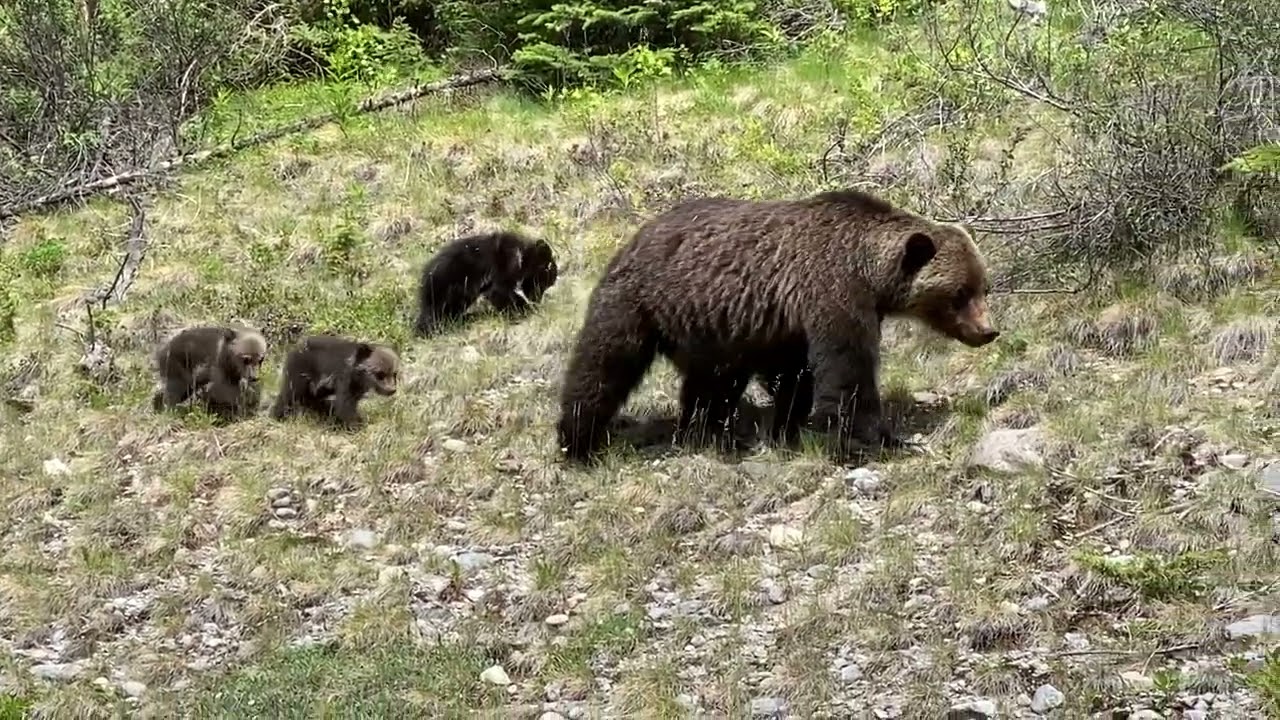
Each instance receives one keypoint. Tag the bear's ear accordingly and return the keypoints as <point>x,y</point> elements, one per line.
<point>229,335</point>
<point>917,253</point>
<point>363,351</point>
<point>542,251</point>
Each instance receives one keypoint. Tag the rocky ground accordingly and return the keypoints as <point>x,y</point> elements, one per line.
<point>1086,528</point>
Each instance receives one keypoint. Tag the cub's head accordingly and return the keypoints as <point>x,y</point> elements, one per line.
<point>243,352</point>
<point>540,270</point>
<point>377,368</point>
<point>945,282</point>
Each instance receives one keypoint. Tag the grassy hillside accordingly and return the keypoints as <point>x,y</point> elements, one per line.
<point>162,565</point>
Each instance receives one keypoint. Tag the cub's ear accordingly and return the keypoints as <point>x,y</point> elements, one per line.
<point>917,253</point>
<point>229,335</point>
<point>541,251</point>
<point>363,351</point>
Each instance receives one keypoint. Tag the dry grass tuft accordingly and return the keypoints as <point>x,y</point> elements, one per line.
<point>1245,340</point>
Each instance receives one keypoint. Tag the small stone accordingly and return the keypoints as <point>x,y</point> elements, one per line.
<point>1137,680</point>
<point>775,593</point>
<point>863,480</point>
<point>977,508</point>
<point>1047,697</point>
<point>783,536</point>
<point>979,707</point>
<point>1234,461</point>
<point>1008,450</point>
<point>1271,478</point>
<point>1036,604</point>
<point>54,467</point>
<point>551,716</point>
<point>59,672</point>
<point>362,539</point>
<point>389,575</point>
<point>495,675</point>
<point>285,501</point>
<point>275,494</point>
<point>454,445</point>
<point>557,620</point>
<point>470,561</point>
<point>1254,626</point>
<point>1145,714</point>
<point>850,673</point>
<point>285,513</point>
<point>767,707</point>
<point>133,688</point>
<point>1194,715</point>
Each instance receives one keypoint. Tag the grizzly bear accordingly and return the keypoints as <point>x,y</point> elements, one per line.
<point>728,289</point>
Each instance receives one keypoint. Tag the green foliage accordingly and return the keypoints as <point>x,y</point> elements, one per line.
<point>1156,577</point>
<point>1264,158</point>
<point>1266,682</point>
<point>46,258</point>
<point>876,12</point>
<point>604,42</point>
<point>353,50</point>
<point>8,299</point>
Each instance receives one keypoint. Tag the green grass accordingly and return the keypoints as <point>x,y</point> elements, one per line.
<point>158,545</point>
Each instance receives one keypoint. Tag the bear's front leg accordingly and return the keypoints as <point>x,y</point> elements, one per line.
<point>846,392</point>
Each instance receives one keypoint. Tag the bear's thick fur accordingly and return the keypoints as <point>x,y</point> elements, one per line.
<point>728,288</point>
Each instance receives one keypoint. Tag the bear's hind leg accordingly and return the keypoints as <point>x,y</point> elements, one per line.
<point>712,393</point>
<point>614,350</point>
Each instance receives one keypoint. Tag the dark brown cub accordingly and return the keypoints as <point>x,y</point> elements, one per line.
<point>218,365</point>
<point>328,376</point>
<point>511,271</point>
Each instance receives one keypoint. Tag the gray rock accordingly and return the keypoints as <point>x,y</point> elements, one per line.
<point>1271,478</point>
<point>1008,450</point>
<point>57,672</point>
<point>282,502</point>
<point>865,481</point>
<point>495,675</point>
<point>1254,626</point>
<point>557,620</point>
<point>1145,714</point>
<point>1194,715</point>
<point>454,445</point>
<point>362,539</point>
<point>470,561</point>
<point>551,716</point>
<point>1047,697</point>
<point>775,593</point>
<point>850,673</point>
<point>980,707</point>
<point>285,513</point>
<point>1137,680</point>
<point>133,688</point>
<point>1234,461</point>
<point>275,494</point>
<point>768,707</point>
<point>783,536</point>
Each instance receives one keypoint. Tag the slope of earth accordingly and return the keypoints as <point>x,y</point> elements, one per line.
<point>1087,528</point>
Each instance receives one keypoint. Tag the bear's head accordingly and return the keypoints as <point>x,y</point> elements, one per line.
<point>946,281</point>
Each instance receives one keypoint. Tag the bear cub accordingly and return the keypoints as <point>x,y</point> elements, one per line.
<point>510,270</point>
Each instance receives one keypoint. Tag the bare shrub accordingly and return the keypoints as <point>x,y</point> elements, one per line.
<point>1134,107</point>
<point>1242,341</point>
<point>93,89</point>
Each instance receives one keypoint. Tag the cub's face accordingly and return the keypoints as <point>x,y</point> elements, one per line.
<point>949,291</point>
<point>542,274</point>
<point>246,353</point>
<point>379,371</point>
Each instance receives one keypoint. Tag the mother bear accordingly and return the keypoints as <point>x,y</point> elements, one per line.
<point>726,288</point>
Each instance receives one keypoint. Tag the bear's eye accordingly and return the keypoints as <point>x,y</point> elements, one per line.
<point>959,301</point>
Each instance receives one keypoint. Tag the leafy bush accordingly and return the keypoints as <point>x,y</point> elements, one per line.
<point>344,39</point>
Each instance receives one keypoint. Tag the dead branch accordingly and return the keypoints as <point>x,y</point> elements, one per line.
<point>135,248</point>
<point>368,105</point>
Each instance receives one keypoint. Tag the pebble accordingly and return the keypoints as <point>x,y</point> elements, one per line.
<point>362,539</point>
<point>551,716</point>
<point>285,501</point>
<point>1234,461</point>
<point>774,592</point>
<point>279,493</point>
<point>62,672</point>
<point>495,675</point>
<point>1271,477</point>
<point>285,513</point>
<point>557,620</point>
<point>1137,680</point>
<point>1194,715</point>
<point>864,480</point>
<point>850,673</point>
<point>454,445</point>
<point>783,536</point>
<point>1145,714</point>
<point>473,561</point>
<point>768,707</point>
<point>133,688</point>
<point>1047,697</point>
<point>56,468</point>
<point>985,708</point>
<point>1253,626</point>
